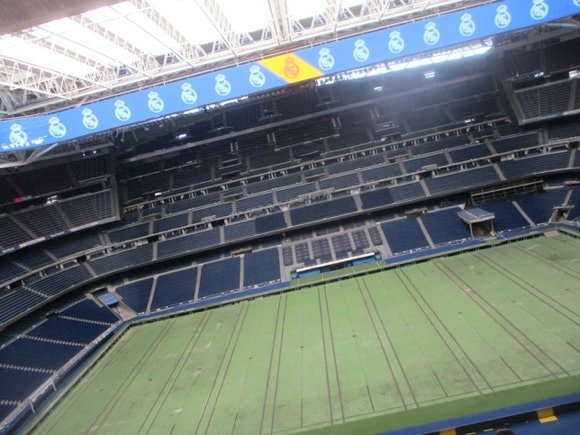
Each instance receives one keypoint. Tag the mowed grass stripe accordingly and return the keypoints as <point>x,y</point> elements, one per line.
<point>496,326</point>
<point>397,307</point>
<point>319,391</point>
<point>560,250</point>
<point>212,397</point>
<point>442,319</point>
<point>107,419</point>
<point>404,344</point>
<point>517,322</point>
<point>169,385</point>
<point>355,394</point>
<point>560,319</point>
<point>383,391</point>
<point>541,281</point>
<point>287,408</point>
<point>504,350</point>
<point>405,339</point>
<point>330,357</point>
<point>243,384</point>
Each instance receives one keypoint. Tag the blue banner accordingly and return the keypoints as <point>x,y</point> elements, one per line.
<point>364,50</point>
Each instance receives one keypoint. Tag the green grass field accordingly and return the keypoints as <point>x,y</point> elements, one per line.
<point>439,339</point>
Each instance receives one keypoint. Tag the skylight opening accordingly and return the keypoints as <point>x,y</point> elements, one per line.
<point>35,55</point>
<point>305,8</point>
<point>133,26</point>
<point>248,15</point>
<point>188,19</point>
<point>83,37</point>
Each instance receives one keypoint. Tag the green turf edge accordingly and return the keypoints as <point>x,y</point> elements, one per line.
<point>77,376</point>
<point>455,409</point>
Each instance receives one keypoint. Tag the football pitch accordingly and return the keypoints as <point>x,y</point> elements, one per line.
<point>431,341</point>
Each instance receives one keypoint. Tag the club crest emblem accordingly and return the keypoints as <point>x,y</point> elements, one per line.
<point>503,18</point>
<point>467,26</point>
<point>188,94</point>
<point>291,69</point>
<point>222,86</point>
<point>326,60</point>
<point>431,35</point>
<point>155,102</point>
<point>361,52</point>
<point>18,137</point>
<point>539,9</point>
<point>56,128</point>
<point>257,77</point>
<point>122,112</point>
<point>396,42</point>
<point>90,120</point>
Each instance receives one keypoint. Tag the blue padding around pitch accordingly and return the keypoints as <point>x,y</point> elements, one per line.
<point>489,416</point>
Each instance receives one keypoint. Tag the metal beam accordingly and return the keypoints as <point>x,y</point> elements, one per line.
<point>15,74</point>
<point>101,73</point>
<point>145,63</point>
<point>220,22</point>
<point>186,50</point>
<point>279,15</point>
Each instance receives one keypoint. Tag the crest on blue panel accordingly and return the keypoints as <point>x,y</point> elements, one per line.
<point>90,121</point>
<point>361,52</point>
<point>18,137</point>
<point>396,42</point>
<point>257,77</point>
<point>467,26</point>
<point>503,18</point>
<point>222,86</point>
<point>431,35</point>
<point>56,128</point>
<point>155,102</point>
<point>577,3</point>
<point>539,9</point>
<point>326,60</point>
<point>188,94</point>
<point>122,112</point>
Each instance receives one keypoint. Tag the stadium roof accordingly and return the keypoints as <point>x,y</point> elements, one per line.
<point>61,54</point>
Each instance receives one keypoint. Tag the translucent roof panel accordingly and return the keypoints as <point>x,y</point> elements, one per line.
<point>247,15</point>
<point>71,31</point>
<point>35,55</point>
<point>305,8</point>
<point>133,26</point>
<point>73,46</point>
<point>188,19</point>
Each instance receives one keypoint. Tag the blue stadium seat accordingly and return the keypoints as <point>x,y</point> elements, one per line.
<point>507,217</point>
<point>25,352</point>
<point>404,235</point>
<point>18,302</point>
<point>540,206</point>
<point>17,384</point>
<point>261,267</point>
<point>88,310</point>
<point>174,288</point>
<point>322,210</point>
<point>136,294</point>
<point>444,226</point>
<point>65,330</point>
<point>219,277</point>
<point>376,198</point>
<point>462,180</point>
